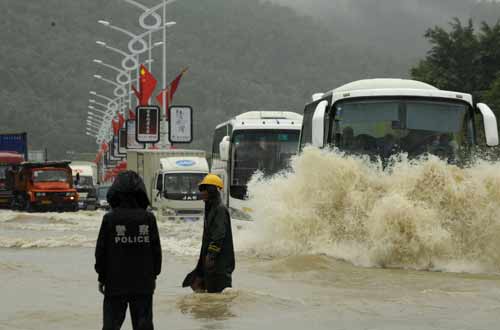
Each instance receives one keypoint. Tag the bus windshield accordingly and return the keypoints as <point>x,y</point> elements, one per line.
<point>268,151</point>
<point>385,127</point>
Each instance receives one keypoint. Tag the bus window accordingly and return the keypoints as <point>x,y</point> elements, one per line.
<point>261,150</point>
<point>306,133</point>
<point>218,136</point>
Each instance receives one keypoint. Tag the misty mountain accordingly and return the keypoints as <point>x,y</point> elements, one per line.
<point>386,25</point>
<point>242,55</point>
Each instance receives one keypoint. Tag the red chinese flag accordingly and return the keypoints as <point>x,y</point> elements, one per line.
<point>170,91</point>
<point>168,97</point>
<point>131,115</point>
<point>147,84</point>
<point>116,128</point>
<point>121,120</point>
<point>136,92</point>
<point>98,157</point>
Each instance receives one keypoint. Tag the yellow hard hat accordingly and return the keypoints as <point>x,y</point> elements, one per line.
<point>212,179</point>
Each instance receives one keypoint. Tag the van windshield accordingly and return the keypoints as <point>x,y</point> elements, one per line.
<point>85,180</point>
<point>182,183</point>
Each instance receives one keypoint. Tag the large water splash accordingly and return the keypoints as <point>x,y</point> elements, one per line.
<point>422,214</point>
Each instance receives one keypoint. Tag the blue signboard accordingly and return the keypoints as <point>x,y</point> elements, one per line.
<point>185,162</point>
<point>15,142</point>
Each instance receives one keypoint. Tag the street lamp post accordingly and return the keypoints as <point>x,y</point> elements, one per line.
<point>120,90</point>
<point>134,59</point>
<point>118,108</point>
<point>104,117</point>
<point>111,103</point>
<point>150,14</point>
<point>107,111</point>
<point>97,118</point>
<point>121,73</point>
<point>138,39</point>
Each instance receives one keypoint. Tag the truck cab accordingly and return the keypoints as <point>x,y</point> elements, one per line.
<point>7,161</point>
<point>176,195</point>
<point>85,181</point>
<point>44,186</point>
<point>171,177</point>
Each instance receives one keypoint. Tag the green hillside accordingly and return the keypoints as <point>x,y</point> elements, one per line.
<point>242,55</point>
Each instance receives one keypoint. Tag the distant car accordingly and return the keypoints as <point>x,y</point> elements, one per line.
<point>102,202</point>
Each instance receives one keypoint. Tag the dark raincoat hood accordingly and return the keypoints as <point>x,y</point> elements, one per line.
<point>128,190</point>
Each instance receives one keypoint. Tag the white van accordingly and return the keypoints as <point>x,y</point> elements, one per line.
<point>85,180</point>
<point>171,178</point>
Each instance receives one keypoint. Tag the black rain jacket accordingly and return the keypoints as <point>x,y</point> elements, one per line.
<point>128,251</point>
<point>217,239</point>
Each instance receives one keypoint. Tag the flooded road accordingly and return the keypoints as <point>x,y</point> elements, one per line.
<point>48,282</point>
<point>339,243</point>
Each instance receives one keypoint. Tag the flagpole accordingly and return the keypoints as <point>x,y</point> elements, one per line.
<point>138,78</point>
<point>129,94</point>
<point>164,73</point>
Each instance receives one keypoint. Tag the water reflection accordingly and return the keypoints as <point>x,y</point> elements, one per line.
<point>208,306</point>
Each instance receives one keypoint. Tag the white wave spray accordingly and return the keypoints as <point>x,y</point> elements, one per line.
<point>420,214</point>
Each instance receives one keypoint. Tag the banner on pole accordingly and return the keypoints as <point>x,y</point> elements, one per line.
<point>114,155</point>
<point>180,124</point>
<point>122,141</point>
<point>131,134</point>
<point>148,124</point>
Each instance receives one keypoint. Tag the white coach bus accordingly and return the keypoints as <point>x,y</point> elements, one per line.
<point>253,141</point>
<point>383,117</point>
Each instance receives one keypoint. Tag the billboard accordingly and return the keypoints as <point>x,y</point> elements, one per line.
<point>122,141</point>
<point>180,124</point>
<point>17,142</point>
<point>131,134</point>
<point>148,124</point>
<point>114,148</point>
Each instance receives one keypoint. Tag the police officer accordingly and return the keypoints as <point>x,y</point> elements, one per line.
<point>128,255</point>
<point>216,264</point>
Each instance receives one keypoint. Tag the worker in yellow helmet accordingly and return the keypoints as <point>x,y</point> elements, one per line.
<point>213,272</point>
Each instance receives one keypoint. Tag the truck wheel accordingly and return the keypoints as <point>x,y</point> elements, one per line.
<point>14,204</point>
<point>28,206</point>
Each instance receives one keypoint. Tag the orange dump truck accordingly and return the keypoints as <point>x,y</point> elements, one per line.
<point>8,160</point>
<point>44,186</point>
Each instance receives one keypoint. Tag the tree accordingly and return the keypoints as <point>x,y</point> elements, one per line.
<point>453,59</point>
<point>466,61</point>
<point>463,60</point>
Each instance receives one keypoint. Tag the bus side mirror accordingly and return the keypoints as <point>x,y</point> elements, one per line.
<point>318,124</point>
<point>224,148</point>
<point>159,184</point>
<point>490,124</point>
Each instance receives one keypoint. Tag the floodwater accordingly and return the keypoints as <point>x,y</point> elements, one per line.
<point>337,244</point>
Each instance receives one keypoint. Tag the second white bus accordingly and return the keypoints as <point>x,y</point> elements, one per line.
<point>252,141</point>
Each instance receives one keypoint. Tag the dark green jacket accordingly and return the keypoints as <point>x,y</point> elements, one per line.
<point>217,238</point>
